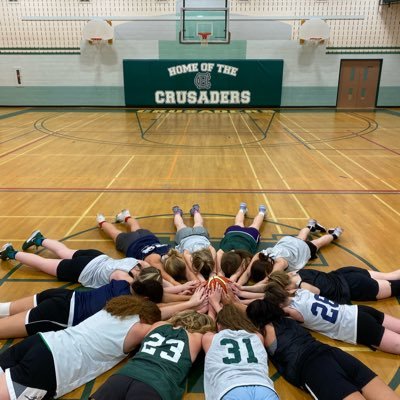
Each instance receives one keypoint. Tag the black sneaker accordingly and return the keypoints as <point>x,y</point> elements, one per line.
<point>7,252</point>
<point>314,226</point>
<point>35,239</point>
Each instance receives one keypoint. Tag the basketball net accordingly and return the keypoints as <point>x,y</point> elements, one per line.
<point>315,41</point>
<point>204,38</point>
<point>95,41</point>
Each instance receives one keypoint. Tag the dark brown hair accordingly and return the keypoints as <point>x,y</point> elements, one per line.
<point>261,267</point>
<point>275,294</point>
<point>230,317</point>
<point>261,313</point>
<point>151,289</point>
<point>232,260</point>
<point>127,305</point>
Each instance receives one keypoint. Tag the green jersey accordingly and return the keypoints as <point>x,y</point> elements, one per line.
<point>163,362</point>
<point>238,241</point>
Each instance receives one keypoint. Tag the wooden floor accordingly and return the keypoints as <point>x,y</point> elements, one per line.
<point>59,167</point>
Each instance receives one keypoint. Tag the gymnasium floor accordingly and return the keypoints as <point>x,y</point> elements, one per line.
<point>60,166</point>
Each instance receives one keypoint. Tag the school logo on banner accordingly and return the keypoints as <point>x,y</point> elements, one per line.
<point>222,83</point>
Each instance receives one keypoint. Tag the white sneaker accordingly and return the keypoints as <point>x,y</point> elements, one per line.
<point>262,209</point>
<point>121,216</point>
<point>243,208</point>
<point>314,226</point>
<point>335,232</point>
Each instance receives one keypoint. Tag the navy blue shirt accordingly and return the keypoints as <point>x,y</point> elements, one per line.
<point>89,303</point>
<point>145,246</point>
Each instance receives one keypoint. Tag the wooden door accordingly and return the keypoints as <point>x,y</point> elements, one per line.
<point>358,83</point>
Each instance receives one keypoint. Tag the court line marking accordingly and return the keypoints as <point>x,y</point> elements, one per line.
<point>191,190</point>
<point>84,214</point>
<point>343,170</point>
<point>178,150</point>
<point>267,203</point>
<point>281,177</point>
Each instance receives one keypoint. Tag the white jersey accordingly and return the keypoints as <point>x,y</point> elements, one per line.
<point>235,358</point>
<point>193,243</point>
<point>337,321</point>
<point>85,351</point>
<point>98,271</point>
<point>294,250</point>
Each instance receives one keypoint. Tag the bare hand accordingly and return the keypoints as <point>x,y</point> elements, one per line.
<point>199,298</point>
<point>214,296</point>
<point>190,286</point>
<point>229,297</point>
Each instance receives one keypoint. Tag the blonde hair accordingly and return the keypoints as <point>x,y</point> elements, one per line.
<point>280,277</point>
<point>193,321</point>
<point>203,262</point>
<point>128,305</point>
<point>150,273</point>
<point>230,317</point>
<point>175,265</point>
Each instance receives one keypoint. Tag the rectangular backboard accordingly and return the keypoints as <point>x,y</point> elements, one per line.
<point>212,20</point>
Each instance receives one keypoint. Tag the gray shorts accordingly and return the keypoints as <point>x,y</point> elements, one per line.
<point>125,239</point>
<point>187,231</point>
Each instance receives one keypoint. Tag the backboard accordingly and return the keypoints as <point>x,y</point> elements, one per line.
<point>211,17</point>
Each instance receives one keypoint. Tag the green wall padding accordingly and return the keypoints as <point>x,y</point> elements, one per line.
<point>62,96</point>
<point>203,83</point>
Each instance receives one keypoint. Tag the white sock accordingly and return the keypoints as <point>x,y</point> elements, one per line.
<point>5,309</point>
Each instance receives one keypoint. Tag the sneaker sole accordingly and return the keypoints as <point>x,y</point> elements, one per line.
<point>26,244</point>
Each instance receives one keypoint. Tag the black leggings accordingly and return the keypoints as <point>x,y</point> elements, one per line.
<point>122,387</point>
<point>369,326</point>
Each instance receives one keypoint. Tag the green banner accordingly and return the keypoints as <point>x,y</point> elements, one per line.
<point>189,83</point>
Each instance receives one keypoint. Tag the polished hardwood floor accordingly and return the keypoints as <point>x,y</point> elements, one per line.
<point>60,166</point>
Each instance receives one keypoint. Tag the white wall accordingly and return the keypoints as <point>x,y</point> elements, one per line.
<point>310,74</point>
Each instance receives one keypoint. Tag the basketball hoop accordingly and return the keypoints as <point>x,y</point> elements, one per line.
<point>314,32</point>
<point>98,31</point>
<point>204,38</point>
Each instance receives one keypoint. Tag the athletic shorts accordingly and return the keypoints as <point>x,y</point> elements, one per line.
<point>125,239</point>
<point>369,326</point>
<point>313,249</point>
<point>253,232</point>
<point>362,286</point>
<point>51,312</point>
<point>29,369</point>
<point>334,374</point>
<point>70,270</point>
<point>187,231</point>
<point>121,387</point>
<point>251,393</point>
